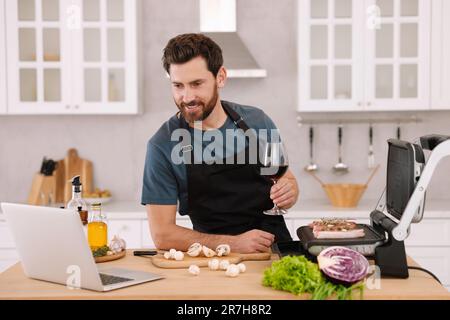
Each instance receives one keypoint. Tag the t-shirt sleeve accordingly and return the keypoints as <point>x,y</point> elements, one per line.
<point>159,182</point>
<point>269,122</point>
<point>270,125</point>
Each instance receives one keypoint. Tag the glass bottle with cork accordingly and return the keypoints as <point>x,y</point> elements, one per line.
<point>97,228</point>
<point>77,202</point>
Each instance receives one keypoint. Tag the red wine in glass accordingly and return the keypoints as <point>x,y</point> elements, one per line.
<point>278,172</point>
<point>275,165</point>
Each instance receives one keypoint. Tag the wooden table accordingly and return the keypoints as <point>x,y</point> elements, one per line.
<point>180,285</point>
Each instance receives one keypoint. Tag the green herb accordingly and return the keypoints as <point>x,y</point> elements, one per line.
<point>100,252</point>
<point>298,275</point>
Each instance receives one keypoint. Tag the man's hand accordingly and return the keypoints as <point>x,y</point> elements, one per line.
<point>284,193</point>
<point>252,241</point>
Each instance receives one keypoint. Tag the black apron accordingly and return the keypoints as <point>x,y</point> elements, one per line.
<point>230,198</point>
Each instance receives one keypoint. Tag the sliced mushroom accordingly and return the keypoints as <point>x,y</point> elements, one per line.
<point>194,249</point>
<point>208,252</point>
<point>223,250</point>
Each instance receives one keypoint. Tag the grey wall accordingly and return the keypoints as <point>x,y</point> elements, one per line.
<point>116,144</point>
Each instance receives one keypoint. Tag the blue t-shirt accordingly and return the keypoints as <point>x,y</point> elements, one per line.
<point>165,180</point>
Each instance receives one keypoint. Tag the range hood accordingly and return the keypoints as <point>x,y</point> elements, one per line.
<point>218,21</point>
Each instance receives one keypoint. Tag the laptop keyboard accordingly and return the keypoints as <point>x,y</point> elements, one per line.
<point>109,279</point>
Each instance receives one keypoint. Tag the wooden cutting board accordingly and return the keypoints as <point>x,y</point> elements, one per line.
<point>161,262</point>
<point>111,258</point>
<point>73,165</point>
<point>60,182</point>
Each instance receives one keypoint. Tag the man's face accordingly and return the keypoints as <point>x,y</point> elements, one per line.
<point>194,89</point>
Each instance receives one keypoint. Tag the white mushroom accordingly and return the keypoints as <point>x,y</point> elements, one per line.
<point>194,269</point>
<point>224,264</point>
<point>242,267</point>
<point>178,256</point>
<point>232,271</point>
<point>194,249</point>
<point>213,264</point>
<point>223,250</point>
<point>172,253</point>
<point>208,252</point>
<point>167,255</point>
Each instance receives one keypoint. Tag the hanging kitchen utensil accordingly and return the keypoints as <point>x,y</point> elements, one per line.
<point>340,167</point>
<point>399,134</point>
<point>345,195</point>
<point>371,157</point>
<point>311,166</point>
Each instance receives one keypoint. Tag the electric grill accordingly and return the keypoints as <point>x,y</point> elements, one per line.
<point>401,203</point>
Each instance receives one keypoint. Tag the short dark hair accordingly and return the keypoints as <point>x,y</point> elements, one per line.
<point>185,47</point>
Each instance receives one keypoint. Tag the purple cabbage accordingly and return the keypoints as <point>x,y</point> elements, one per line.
<point>343,265</point>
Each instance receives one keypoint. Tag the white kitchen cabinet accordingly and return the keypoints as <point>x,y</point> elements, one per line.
<point>329,49</point>
<point>38,50</point>
<point>420,234</point>
<point>72,56</point>
<point>185,222</point>
<point>440,55</point>
<point>398,56</point>
<point>6,238</point>
<point>8,258</point>
<point>434,259</point>
<point>8,253</point>
<point>147,240</point>
<point>3,96</point>
<point>370,55</point>
<point>290,226</point>
<point>129,230</point>
<point>294,224</point>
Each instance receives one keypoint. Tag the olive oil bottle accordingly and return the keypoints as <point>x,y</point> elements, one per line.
<point>97,228</point>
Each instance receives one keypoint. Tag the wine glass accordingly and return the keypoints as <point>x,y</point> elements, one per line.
<point>275,164</point>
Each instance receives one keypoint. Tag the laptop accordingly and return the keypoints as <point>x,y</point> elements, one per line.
<point>52,246</point>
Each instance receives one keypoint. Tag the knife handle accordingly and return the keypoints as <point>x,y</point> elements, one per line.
<point>145,252</point>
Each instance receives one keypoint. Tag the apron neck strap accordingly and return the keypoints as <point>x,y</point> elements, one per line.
<point>237,119</point>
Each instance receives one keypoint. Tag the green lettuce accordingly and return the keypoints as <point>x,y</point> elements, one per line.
<point>298,275</point>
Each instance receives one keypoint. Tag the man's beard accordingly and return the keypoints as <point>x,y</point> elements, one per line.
<point>205,109</point>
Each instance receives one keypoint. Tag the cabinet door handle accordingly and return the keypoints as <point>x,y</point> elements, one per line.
<point>67,107</point>
<point>369,104</point>
<point>359,104</point>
